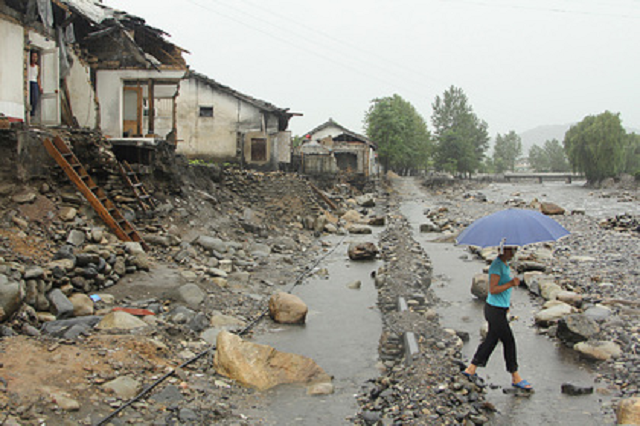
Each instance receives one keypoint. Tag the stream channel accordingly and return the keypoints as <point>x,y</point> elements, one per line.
<point>544,362</point>
<point>344,326</point>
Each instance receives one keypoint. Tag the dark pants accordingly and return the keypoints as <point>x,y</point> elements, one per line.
<point>499,330</point>
<point>34,96</point>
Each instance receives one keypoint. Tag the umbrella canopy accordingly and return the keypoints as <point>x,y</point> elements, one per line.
<point>512,227</point>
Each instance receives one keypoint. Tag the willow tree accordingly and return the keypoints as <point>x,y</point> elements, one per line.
<point>596,146</point>
<point>400,132</point>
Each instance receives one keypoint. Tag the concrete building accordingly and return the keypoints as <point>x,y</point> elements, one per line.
<point>221,124</point>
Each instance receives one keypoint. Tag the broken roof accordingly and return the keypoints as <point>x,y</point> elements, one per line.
<point>262,105</point>
<point>93,10</point>
<point>355,136</point>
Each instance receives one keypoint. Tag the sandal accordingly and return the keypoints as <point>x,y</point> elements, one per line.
<point>469,375</point>
<point>523,384</point>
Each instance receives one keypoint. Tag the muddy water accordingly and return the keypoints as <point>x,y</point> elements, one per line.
<point>341,335</point>
<point>543,362</point>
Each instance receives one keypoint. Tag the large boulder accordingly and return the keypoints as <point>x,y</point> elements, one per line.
<point>285,308</point>
<point>262,367</point>
<point>82,304</point>
<point>576,328</point>
<point>549,290</point>
<point>628,412</point>
<point>480,286</point>
<point>553,313</point>
<point>190,294</point>
<point>551,209</point>
<point>11,296</point>
<point>119,320</point>
<point>362,251</point>
<point>601,351</point>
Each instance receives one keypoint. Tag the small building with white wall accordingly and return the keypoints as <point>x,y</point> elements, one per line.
<point>220,124</point>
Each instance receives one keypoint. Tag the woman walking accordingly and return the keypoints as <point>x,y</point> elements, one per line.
<point>495,312</point>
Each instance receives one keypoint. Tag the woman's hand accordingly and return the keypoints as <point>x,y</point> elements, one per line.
<point>515,282</point>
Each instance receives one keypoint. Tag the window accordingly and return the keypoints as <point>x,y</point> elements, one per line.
<point>206,111</point>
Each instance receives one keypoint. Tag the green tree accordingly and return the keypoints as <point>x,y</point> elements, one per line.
<point>632,155</point>
<point>556,158</point>
<point>596,146</point>
<point>507,151</point>
<point>461,138</point>
<point>538,159</point>
<point>401,133</point>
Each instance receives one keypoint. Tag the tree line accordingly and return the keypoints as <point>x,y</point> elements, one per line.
<point>458,141</point>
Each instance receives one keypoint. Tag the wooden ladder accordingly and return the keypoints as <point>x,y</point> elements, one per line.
<point>105,208</point>
<point>131,178</point>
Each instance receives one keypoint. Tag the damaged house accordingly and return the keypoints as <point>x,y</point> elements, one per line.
<point>220,124</point>
<point>100,69</point>
<point>331,149</point>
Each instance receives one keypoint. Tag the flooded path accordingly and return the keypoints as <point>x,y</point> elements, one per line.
<point>341,334</point>
<point>542,361</point>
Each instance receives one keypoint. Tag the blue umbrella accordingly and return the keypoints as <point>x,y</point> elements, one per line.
<point>512,227</point>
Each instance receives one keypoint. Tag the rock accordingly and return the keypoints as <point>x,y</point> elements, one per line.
<point>359,229</point>
<point>210,243</point>
<point>362,251</point>
<point>598,350</point>
<point>377,221</point>
<point>570,298</point>
<point>119,320</point>
<point>573,390</point>
<point>366,200</point>
<point>123,387</point>
<point>76,238</point>
<point>226,321</point>
<point>429,227</point>
<point>551,209</point>
<point>24,197</point>
<point>320,389</point>
<point>351,216</point>
<point>628,412</point>
<point>190,294</point>
<point>576,328</point>
<point>550,315</point>
<point>141,261</point>
<point>33,272</point>
<point>598,312</point>
<point>61,306</point>
<point>549,290</point>
<point>64,401</point>
<point>355,285</point>
<point>187,416</point>
<point>168,396</point>
<point>11,296</point>
<point>82,304</point>
<point>285,308</point>
<point>133,248</point>
<point>67,214</point>
<point>480,286</point>
<point>262,366</point>
<point>59,327</point>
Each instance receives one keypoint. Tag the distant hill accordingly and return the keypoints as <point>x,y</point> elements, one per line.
<point>541,134</point>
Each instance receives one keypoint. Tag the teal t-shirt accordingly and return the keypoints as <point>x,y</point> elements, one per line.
<point>501,300</point>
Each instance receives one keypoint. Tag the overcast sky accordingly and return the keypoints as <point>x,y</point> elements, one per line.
<point>522,63</point>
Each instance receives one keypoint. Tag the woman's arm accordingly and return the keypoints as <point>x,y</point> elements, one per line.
<point>39,80</point>
<point>494,288</point>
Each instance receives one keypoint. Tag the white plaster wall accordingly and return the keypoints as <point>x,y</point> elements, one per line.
<point>81,93</point>
<point>109,85</point>
<point>11,69</point>
<point>213,137</point>
<point>331,130</point>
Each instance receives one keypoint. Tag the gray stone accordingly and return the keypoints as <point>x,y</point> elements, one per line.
<point>167,396</point>
<point>24,197</point>
<point>187,415</point>
<point>576,328</point>
<point>180,315</point>
<point>190,294</point>
<point>11,296</point>
<point>429,226</point>
<point>359,229</point>
<point>76,238</point>
<point>211,243</point>
<point>598,312</point>
<point>133,248</point>
<point>61,306</point>
<point>57,328</point>
<point>553,314</point>
<point>602,351</point>
<point>123,387</point>
<point>363,251</point>
<point>33,272</point>
<point>480,286</point>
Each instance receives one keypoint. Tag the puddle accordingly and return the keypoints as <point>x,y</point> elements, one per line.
<point>341,334</point>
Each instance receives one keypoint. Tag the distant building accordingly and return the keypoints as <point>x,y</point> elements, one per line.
<point>331,148</point>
